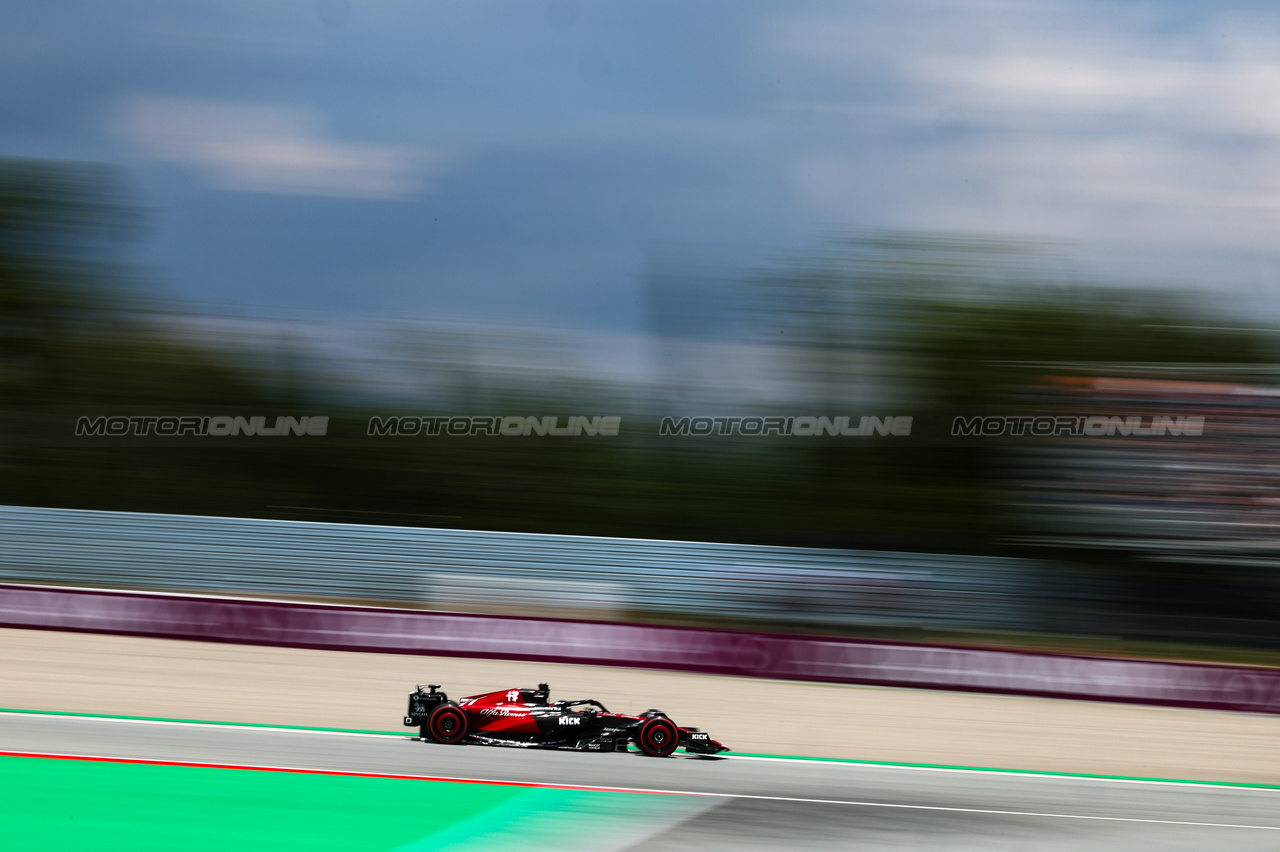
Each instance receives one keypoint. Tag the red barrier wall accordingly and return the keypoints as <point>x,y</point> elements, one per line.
<point>759,655</point>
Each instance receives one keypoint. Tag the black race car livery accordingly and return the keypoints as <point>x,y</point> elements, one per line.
<point>526,718</point>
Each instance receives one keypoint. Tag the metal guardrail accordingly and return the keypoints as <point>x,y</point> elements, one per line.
<point>458,569</point>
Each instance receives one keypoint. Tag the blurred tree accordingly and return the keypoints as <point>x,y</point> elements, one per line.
<point>58,223</point>
<point>73,336</point>
<point>977,352</point>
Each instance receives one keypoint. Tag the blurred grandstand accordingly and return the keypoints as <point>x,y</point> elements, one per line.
<point>1211,496</point>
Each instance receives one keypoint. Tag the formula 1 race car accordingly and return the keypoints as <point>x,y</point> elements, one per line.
<point>525,718</point>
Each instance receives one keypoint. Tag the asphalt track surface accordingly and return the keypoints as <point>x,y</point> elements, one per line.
<point>745,803</point>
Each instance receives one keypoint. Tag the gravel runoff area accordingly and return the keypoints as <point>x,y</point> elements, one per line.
<point>119,675</point>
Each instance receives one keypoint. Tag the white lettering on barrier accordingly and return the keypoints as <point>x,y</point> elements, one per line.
<point>1003,671</point>
<point>762,656</point>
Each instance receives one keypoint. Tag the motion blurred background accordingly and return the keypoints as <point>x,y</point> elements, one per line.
<point>360,209</point>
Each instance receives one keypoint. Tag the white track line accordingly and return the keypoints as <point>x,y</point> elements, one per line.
<point>233,726</point>
<point>1012,773</point>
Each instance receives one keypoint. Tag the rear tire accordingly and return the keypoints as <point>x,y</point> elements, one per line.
<point>447,724</point>
<point>658,737</point>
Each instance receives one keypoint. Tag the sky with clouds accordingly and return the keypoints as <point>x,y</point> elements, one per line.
<point>520,161</point>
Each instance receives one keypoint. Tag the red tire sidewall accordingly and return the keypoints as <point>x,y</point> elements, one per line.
<point>646,734</point>
<point>448,710</point>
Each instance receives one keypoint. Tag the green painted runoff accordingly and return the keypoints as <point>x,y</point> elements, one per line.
<point>58,804</point>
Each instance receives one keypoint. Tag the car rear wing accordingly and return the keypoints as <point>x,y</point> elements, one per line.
<point>421,703</point>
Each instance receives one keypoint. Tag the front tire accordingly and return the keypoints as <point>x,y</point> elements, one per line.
<point>658,737</point>
<point>447,724</point>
